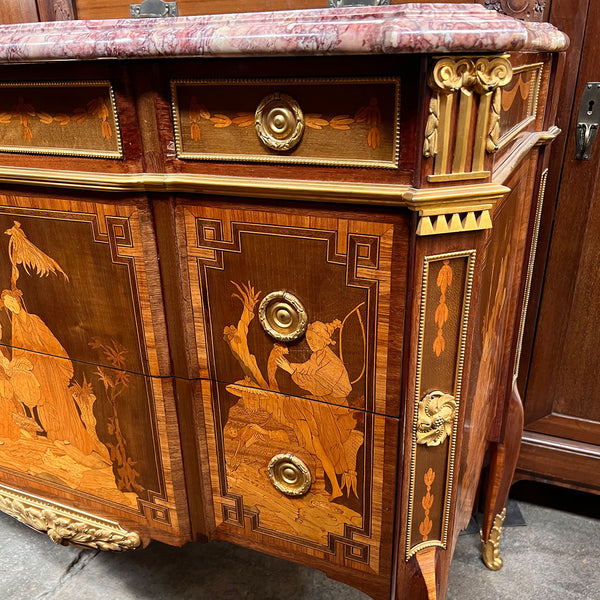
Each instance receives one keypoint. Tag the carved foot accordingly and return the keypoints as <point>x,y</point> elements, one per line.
<point>426,560</point>
<point>490,552</point>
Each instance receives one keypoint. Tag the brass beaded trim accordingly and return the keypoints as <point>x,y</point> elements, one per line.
<point>529,276</point>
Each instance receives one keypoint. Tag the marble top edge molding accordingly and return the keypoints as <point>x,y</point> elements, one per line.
<point>395,29</point>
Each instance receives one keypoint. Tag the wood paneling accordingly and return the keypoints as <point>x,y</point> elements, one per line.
<point>559,461</point>
<point>119,9</point>
<point>532,10</point>
<point>561,379</point>
<point>56,10</point>
<point>23,11</point>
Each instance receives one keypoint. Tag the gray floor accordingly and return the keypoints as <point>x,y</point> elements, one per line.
<point>556,556</point>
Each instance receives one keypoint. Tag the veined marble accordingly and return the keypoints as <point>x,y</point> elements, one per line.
<point>408,28</point>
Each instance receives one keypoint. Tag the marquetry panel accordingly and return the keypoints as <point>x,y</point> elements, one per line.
<point>80,334</point>
<point>75,118</point>
<point>94,436</point>
<point>339,268</point>
<point>340,517</point>
<point>519,101</point>
<point>345,121</point>
<point>496,322</point>
<point>85,272</point>
<point>81,331</point>
<point>444,314</point>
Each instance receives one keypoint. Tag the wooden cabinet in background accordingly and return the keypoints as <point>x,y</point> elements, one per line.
<point>558,370</point>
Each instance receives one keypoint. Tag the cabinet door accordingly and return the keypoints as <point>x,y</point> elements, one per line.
<point>313,398</point>
<point>86,397</point>
<point>558,376</point>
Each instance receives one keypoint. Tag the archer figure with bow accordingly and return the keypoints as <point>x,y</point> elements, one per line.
<point>326,428</point>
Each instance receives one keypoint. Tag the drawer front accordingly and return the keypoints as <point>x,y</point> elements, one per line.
<point>71,118</point>
<point>336,268</point>
<point>98,440</point>
<point>345,466</point>
<point>84,416</point>
<point>345,121</point>
<point>86,272</point>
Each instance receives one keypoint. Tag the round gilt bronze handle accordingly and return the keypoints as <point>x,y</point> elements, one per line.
<point>279,122</point>
<point>289,475</point>
<point>282,316</point>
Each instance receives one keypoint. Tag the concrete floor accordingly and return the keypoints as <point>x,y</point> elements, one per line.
<point>556,556</point>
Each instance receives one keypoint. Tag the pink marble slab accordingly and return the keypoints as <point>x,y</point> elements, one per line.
<point>407,28</point>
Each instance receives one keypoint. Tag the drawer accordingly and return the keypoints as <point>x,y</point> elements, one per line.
<point>71,118</point>
<point>251,269</point>
<point>79,274</point>
<point>85,121</point>
<point>86,404</point>
<point>301,474</point>
<point>327,121</point>
<point>98,439</point>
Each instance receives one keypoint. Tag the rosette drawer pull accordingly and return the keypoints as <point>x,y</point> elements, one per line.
<point>289,475</point>
<point>279,122</point>
<point>282,316</point>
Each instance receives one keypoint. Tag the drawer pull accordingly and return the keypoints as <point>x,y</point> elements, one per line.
<point>289,475</point>
<point>279,122</point>
<point>282,316</point>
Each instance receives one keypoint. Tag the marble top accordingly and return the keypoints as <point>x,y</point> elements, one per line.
<point>396,29</point>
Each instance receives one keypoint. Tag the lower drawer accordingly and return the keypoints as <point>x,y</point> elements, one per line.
<point>301,474</point>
